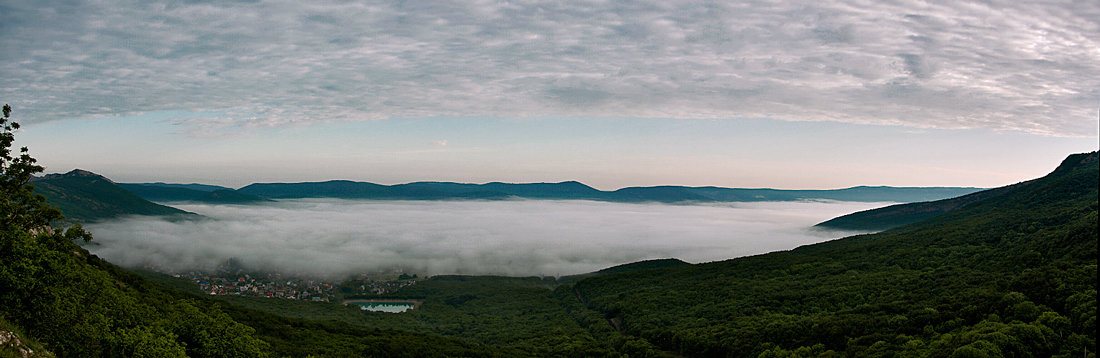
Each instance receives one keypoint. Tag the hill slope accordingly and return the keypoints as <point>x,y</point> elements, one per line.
<point>903,214</point>
<point>859,193</point>
<point>1011,275</point>
<point>85,196</point>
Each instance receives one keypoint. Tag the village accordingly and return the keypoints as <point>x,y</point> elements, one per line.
<point>275,285</point>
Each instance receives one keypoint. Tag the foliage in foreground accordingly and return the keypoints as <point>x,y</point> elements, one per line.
<point>78,305</point>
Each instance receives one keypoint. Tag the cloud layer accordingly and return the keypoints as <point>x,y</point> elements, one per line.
<point>1026,65</point>
<point>332,238</point>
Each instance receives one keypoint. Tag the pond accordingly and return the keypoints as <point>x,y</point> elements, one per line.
<point>390,306</point>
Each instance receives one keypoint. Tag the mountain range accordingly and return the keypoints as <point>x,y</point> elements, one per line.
<point>161,192</point>
<point>567,190</point>
<point>84,196</point>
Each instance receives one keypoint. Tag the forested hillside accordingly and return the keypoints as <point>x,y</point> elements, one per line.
<point>509,316</point>
<point>902,214</point>
<point>1011,276</point>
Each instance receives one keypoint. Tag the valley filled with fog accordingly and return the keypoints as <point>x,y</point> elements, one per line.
<point>332,238</point>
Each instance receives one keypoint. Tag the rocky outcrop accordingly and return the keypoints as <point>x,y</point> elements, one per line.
<point>10,342</point>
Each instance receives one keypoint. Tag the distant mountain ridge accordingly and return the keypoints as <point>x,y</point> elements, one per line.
<point>190,192</point>
<point>86,196</point>
<point>572,190</point>
<point>561,190</point>
<point>192,186</point>
<point>346,189</point>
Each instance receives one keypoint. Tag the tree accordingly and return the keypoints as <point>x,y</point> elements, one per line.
<point>79,305</point>
<point>19,205</point>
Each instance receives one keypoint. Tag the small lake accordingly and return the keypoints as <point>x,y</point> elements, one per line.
<point>385,306</point>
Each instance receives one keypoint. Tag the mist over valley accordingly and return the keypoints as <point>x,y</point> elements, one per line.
<point>332,238</point>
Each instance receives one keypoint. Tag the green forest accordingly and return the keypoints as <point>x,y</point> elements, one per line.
<point>1012,275</point>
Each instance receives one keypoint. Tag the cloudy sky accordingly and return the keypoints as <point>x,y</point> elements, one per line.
<point>788,94</point>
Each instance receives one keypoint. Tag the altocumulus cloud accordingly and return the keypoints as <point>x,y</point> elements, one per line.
<point>332,238</point>
<point>1020,65</point>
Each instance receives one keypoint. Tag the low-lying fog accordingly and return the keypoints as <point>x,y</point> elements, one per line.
<point>333,238</point>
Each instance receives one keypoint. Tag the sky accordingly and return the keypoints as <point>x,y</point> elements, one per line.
<point>782,94</point>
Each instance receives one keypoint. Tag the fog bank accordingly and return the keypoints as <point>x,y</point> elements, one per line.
<point>332,238</point>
